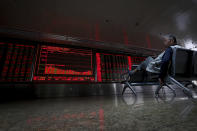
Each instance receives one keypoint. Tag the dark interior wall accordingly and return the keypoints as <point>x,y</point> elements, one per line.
<point>136,22</point>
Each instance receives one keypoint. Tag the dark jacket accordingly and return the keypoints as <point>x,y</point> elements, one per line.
<point>166,58</point>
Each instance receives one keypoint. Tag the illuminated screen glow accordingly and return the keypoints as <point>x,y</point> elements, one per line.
<point>98,61</point>
<point>60,63</point>
<point>113,65</point>
<point>16,62</point>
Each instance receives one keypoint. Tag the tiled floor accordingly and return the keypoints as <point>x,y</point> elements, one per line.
<point>101,113</point>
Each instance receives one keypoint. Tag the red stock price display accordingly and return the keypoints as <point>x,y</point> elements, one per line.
<point>16,62</point>
<point>67,64</point>
<point>111,66</point>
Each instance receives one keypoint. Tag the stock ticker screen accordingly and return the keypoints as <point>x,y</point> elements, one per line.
<point>113,65</point>
<point>68,64</point>
<point>16,62</point>
<point>54,63</point>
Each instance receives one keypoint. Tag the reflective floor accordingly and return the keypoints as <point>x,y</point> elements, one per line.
<point>121,113</point>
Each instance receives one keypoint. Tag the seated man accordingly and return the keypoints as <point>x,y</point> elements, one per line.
<point>160,64</point>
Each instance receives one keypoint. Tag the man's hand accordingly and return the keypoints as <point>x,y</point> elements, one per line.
<point>161,82</point>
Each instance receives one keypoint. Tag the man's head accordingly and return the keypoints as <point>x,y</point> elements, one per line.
<point>169,40</point>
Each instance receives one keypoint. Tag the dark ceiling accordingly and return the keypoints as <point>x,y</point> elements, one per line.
<point>128,22</point>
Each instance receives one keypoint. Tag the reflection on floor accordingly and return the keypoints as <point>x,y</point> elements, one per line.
<point>121,113</point>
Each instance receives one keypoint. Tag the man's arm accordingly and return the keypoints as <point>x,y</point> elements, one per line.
<point>165,63</point>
